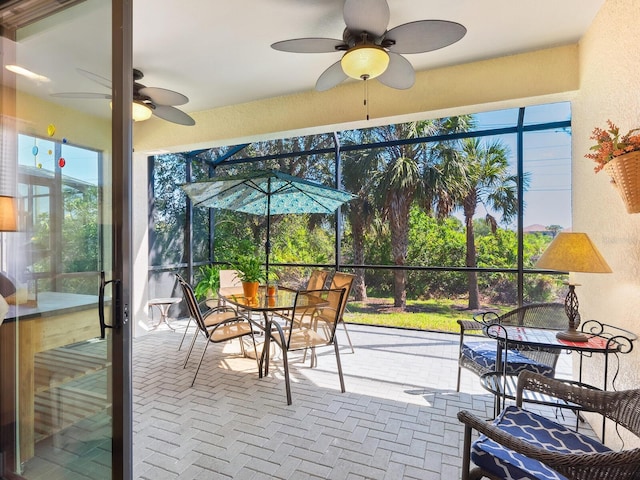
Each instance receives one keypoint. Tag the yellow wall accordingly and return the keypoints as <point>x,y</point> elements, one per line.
<point>473,86</point>
<point>609,89</point>
<point>34,115</point>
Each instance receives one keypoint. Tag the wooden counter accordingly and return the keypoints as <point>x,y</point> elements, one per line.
<point>49,358</point>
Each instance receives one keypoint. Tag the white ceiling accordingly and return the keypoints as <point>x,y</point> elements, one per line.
<point>217,52</point>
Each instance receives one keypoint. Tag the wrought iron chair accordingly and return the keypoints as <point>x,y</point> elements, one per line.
<point>343,280</point>
<point>479,355</point>
<point>312,324</point>
<point>219,324</point>
<point>522,444</point>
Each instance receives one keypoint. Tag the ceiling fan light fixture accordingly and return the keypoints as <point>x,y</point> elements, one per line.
<point>139,111</point>
<point>365,61</point>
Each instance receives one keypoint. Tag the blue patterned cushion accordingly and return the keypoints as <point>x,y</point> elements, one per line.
<point>484,354</point>
<point>536,430</point>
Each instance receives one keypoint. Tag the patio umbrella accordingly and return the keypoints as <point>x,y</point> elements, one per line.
<point>266,192</point>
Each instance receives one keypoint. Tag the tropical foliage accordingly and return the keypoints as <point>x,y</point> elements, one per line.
<point>250,268</point>
<point>209,283</point>
<point>416,205</point>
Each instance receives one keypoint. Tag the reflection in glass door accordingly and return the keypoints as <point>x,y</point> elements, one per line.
<point>56,163</point>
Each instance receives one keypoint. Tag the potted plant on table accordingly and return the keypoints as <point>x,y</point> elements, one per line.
<point>251,273</point>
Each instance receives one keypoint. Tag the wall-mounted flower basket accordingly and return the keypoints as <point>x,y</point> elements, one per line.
<point>625,174</point>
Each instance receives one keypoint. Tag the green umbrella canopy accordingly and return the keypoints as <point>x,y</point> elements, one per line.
<point>266,193</point>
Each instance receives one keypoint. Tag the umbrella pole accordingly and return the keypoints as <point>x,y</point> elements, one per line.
<point>267,246</point>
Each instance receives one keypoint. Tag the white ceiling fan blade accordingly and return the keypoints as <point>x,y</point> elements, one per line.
<point>308,45</point>
<point>371,16</point>
<point>172,114</point>
<point>83,95</point>
<point>331,77</point>
<point>399,74</point>
<point>424,36</point>
<point>99,79</point>
<point>162,96</point>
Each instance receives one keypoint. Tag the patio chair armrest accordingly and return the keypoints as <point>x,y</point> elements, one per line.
<point>218,310</point>
<point>469,325</point>
<point>589,398</point>
<point>277,328</point>
<point>486,318</point>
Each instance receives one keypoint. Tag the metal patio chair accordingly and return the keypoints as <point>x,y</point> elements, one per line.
<point>343,280</point>
<point>316,314</point>
<point>217,325</point>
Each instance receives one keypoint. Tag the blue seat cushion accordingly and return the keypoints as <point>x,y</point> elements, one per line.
<point>536,430</point>
<point>484,354</point>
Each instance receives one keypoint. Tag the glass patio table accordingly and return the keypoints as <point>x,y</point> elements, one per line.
<point>282,301</point>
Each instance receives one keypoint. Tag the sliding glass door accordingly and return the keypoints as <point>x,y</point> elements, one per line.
<point>64,336</point>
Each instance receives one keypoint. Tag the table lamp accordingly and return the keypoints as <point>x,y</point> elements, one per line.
<point>8,223</point>
<point>573,252</point>
<point>8,217</point>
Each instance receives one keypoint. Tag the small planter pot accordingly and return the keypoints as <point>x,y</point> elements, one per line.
<point>625,175</point>
<point>250,290</point>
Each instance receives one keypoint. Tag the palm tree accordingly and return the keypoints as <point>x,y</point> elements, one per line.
<point>411,174</point>
<point>359,177</point>
<point>486,181</point>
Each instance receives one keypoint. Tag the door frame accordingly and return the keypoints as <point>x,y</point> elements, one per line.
<point>122,148</point>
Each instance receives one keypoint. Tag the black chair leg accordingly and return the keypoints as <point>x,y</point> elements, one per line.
<point>193,342</point>
<point>344,325</point>
<point>185,333</point>
<point>335,346</point>
<point>286,374</point>
<point>255,351</point>
<point>200,363</point>
<point>466,453</point>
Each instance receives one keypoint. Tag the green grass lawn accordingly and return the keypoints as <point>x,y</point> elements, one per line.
<point>438,314</point>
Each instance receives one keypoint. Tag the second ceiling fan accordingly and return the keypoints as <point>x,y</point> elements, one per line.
<point>372,51</point>
<point>147,101</point>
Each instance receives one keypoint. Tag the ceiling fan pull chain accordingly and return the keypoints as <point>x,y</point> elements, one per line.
<point>366,95</point>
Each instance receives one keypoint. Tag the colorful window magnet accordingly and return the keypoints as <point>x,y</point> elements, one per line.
<point>51,130</point>
<point>62,162</point>
<point>34,150</point>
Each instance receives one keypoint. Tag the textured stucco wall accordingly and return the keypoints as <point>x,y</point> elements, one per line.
<point>609,89</point>
<point>463,88</point>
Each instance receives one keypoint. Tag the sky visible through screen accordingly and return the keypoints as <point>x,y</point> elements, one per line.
<point>547,159</point>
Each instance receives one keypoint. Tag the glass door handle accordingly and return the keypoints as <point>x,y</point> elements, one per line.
<point>121,315</point>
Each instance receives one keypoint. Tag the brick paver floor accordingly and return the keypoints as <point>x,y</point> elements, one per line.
<point>397,419</point>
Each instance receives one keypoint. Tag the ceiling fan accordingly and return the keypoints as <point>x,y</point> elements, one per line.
<point>146,100</point>
<point>372,51</point>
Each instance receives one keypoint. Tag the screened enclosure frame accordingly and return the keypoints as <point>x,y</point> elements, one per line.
<point>232,157</point>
